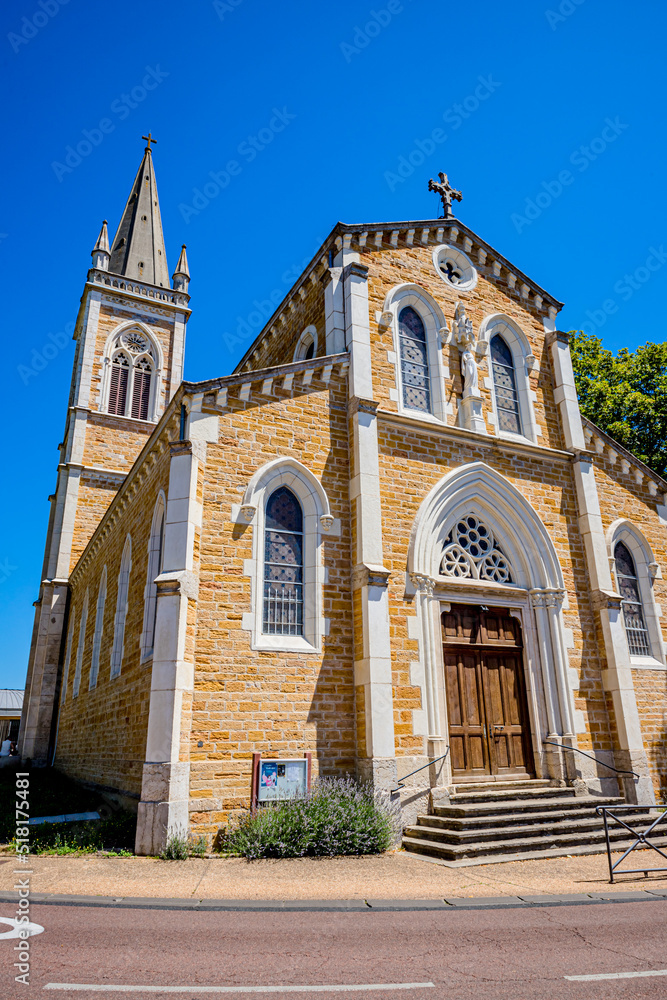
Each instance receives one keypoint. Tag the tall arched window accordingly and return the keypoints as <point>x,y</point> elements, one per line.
<point>504,384</point>
<point>155,550</point>
<point>68,654</point>
<point>633,610</point>
<point>80,648</point>
<point>283,565</point>
<point>415,378</point>
<point>131,375</point>
<point>99,627</point>
<point>121,609</point>
<point>120,373</point>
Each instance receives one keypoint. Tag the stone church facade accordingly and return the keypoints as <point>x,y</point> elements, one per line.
<point>387,539</point>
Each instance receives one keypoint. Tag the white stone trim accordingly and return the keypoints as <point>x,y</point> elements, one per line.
<point>122,603</point>
<point>68,655</point>
<point>523,360</point>
<point>623,530</point>
<point>81,645</point>
<point>434,321</point>
<point>315,506</point>
<point>306,338</point>
<point>99,630</point>
<point>154,568</point>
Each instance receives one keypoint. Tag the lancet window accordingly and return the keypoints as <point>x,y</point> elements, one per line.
<point>471,552</point>
<point>132,376</point>
<point>633,610</point>
<point>415,376</point>
<point>505,388</point>
<point>283,565</point>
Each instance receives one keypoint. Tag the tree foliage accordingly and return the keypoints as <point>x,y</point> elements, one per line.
<point>625,395</point>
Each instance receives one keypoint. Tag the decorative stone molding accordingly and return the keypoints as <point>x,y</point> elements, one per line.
<point>368,575</point>
<point>358,405</point>
<point>606,599</point>
<point>326,522</point>
<point>384,319</point>
<point>248,511</point>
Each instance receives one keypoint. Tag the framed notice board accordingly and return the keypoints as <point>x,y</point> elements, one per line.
<point>275,779</point>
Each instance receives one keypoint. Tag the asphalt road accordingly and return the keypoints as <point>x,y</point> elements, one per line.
<point>493,954</point>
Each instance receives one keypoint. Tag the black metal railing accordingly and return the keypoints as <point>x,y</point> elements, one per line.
<point>401,783</point>
<point>641,839</point>
<point>564,746</point>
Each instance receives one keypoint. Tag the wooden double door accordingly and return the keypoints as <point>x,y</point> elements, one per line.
<point>489,732</point>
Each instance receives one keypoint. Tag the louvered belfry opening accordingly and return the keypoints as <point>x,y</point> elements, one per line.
<point>141,389</point>
<point>120,370</point>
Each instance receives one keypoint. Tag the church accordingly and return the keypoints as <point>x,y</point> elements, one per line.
<point>387,544</point>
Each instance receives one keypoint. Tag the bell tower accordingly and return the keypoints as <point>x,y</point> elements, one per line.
<point>128,363</point>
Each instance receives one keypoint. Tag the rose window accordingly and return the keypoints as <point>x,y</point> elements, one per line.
<point>470,551</point>
<point>134,342</point>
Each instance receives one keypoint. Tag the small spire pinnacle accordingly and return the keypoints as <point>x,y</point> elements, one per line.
<point>181,275</point>
<point>100,253</point>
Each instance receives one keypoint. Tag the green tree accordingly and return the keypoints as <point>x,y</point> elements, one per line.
<point>625,394</point>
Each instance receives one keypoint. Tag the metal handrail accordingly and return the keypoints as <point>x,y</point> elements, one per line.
<point>564,746</point>
<point>640,838</point>
<point>406,776</point>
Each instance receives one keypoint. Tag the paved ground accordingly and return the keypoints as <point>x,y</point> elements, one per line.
<point>395,875</point>
<point>524,954</point>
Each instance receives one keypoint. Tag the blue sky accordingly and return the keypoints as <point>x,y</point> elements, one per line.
<point>549,118</point>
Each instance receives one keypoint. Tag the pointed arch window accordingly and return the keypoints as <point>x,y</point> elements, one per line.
<point>80,648</point>
<point>132,374</point>
<point>121,609</point>
<point>283,565</point>
<point>155,554</point>
<point>505,387</point>
<point>633,608</point>
<point>99,627</point>
<point>415,376</point>
<point>68,654</point>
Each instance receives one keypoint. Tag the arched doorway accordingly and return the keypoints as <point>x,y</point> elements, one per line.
<point>487,709</point>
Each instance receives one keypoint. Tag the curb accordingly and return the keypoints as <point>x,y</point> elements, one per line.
<point>342,905</point>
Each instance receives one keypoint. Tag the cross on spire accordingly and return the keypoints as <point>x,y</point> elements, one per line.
<point>149,140</point>
<point>446,192</point>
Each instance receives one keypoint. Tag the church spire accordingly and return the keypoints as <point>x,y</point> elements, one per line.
<point>181,275</point>
<point>138,248</point>
<point>100,253</point>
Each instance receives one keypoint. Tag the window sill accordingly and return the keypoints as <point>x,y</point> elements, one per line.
<point>647,663</point>
<point>284,644</point>
<point>519,438</point>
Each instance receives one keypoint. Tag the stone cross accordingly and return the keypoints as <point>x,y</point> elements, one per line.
<point>446,192</point>
<point>149,140</point>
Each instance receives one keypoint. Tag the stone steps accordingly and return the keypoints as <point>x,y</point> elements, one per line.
<point>532,819</point>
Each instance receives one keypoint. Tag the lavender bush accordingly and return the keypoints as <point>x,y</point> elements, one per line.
<point>337,816</point>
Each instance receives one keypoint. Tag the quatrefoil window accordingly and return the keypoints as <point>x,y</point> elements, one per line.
<point>471,552</point>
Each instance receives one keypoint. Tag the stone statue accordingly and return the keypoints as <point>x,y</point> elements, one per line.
<point>469,372</point>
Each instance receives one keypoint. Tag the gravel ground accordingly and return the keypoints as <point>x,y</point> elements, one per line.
<point>395,875</point>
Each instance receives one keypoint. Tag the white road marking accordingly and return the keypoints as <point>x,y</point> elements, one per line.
<point>618,975</point>
<point>238,989</point>
<point>16,926</point>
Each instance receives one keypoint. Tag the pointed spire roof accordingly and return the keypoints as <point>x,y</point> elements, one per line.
<point>102,245</point>
<point>182,266</point>
<point>138,248</point>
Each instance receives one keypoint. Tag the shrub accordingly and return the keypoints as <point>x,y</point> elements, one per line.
<point>176,848</point>
<point>114,833</point>
<point>336,817</point>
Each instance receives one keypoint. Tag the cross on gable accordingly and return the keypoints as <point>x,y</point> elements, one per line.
<point>149,140</point>
<point>446,192</point>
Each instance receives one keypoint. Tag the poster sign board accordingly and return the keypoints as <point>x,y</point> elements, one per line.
<point>276,779</point>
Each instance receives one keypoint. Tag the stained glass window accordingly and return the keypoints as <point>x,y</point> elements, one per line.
<point>504,382</point>
<point>633,612</point>
<point>283,565</point>
<point>414,361</point>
